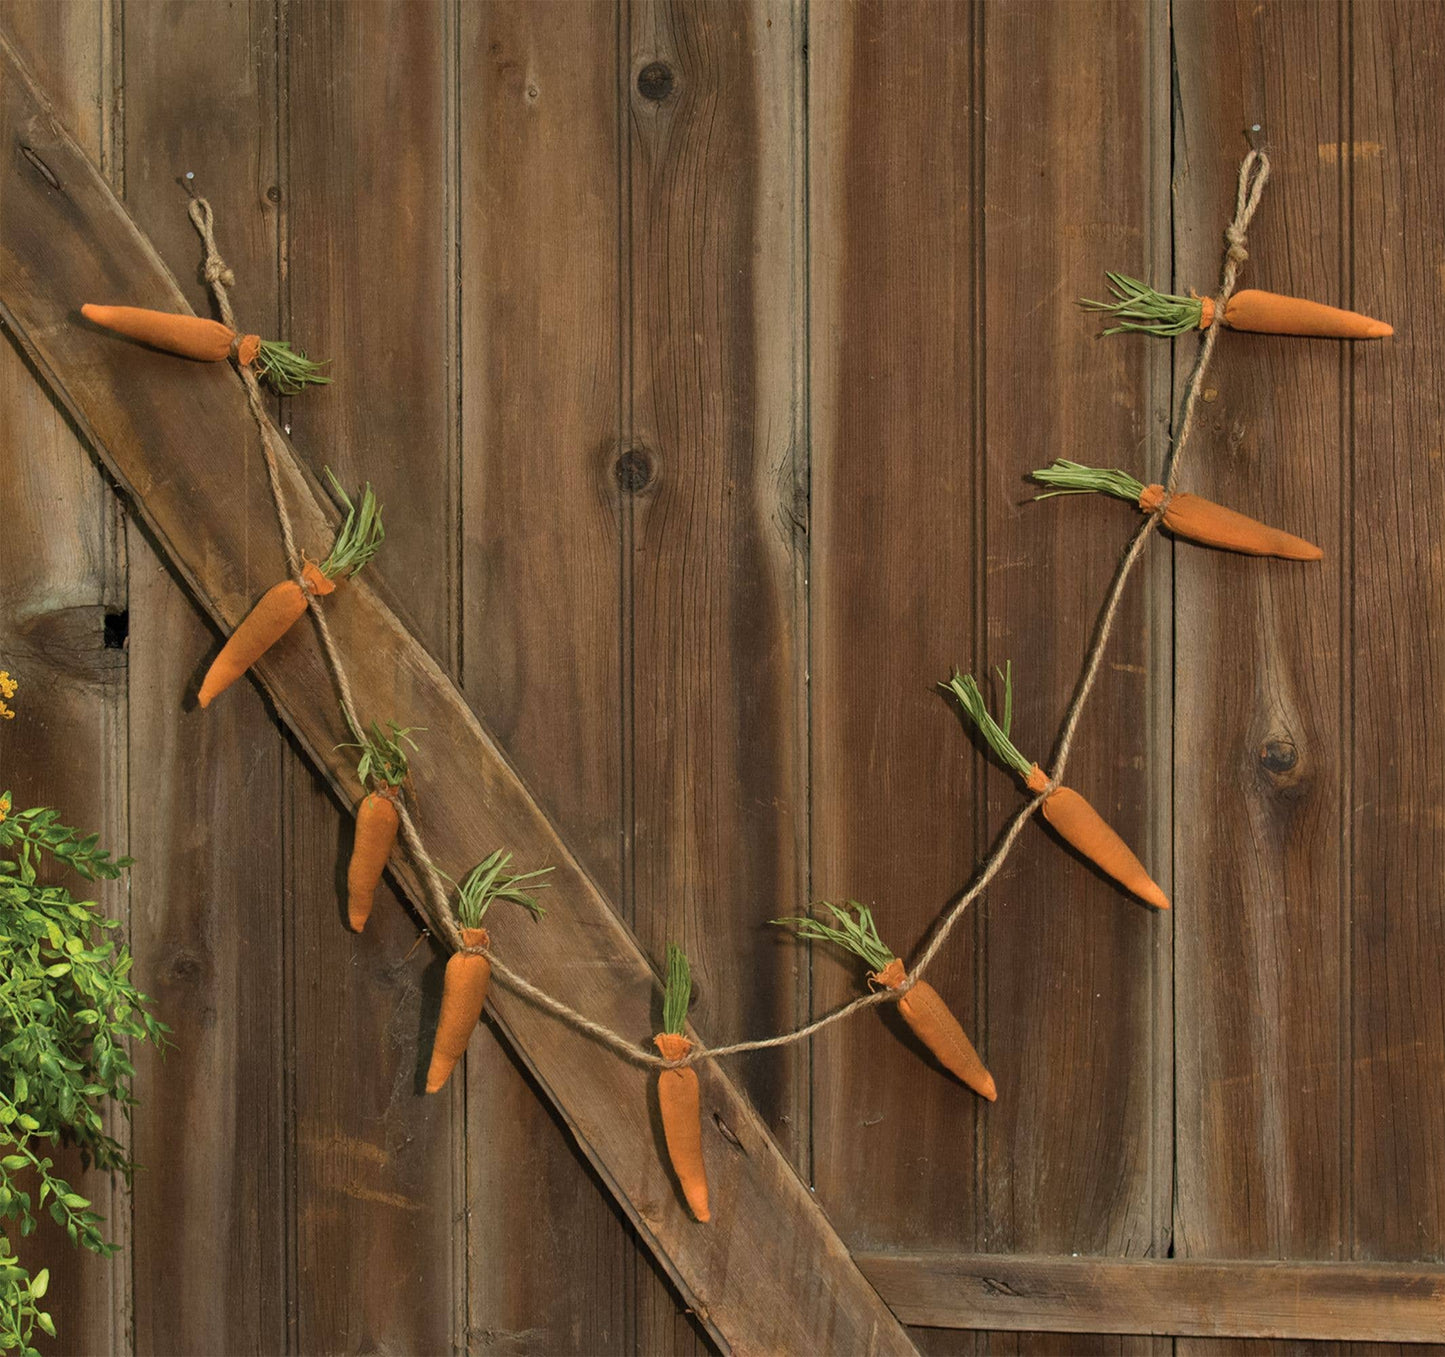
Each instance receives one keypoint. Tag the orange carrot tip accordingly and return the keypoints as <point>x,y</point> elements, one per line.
<point>921,1006</point>
<point>678,1096</point>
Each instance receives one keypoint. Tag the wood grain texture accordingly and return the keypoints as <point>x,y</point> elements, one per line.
<point>541,600</point>
<point>894,542</point>
<point>1396,616</point>
<point>713,621</point>
<point>212,1208</point>
<point>1263,985</point>
<point>1076,970</point>
<point>378,1164</point>
<point>1217,1299</point>
<point>62,572</point>
<point>63,234</point>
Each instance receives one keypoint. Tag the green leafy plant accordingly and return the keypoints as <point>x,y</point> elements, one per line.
<point>68,1014</point>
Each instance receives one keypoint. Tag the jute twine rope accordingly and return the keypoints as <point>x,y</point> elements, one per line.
<point>1253,172</point>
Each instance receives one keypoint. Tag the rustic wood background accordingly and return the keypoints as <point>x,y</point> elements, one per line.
<point>698,351</point>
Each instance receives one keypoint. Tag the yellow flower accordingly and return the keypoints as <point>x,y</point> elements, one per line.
<point>4,806</point>
<point>8,689</point>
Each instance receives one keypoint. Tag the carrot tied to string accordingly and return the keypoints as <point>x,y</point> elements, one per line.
<point>359,539</point>
<point>677,1089</point>
<point>1137,308</point>
<point>469,973</point>
<point>208,341</point>
<point>921,1005</point>
<point>383,766</point>
<point>1077,822</point>
<point>1189,516</point>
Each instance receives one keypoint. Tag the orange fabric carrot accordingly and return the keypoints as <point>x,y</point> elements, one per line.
<point>1077,822</point>
<point>1140,309</point>
<point>464,995</point>
<point>1188,516</point>
<point>261,628</point>
<point>935,1026</point>
<point>921,1005</point>
<point>464,985</point>
<point>208,341</point>
<point>376,826</point>
<point>359,539</point>
<point>677,1089</point>
<point>382,764</point>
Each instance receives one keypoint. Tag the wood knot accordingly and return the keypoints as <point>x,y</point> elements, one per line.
<point>655,81</point>
<point>634,470</point>
<point>1278,754</point>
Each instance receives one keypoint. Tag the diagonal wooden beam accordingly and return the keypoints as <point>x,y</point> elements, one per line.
<point>770,1275</point>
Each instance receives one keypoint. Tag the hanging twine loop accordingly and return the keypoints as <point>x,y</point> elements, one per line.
<point>1253,173</point>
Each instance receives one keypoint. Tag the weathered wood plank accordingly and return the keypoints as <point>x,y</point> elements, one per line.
<point>1076,969</point>
<point>63,235</point>
<point>1262,978</point>
<point>211,1208</point>
<point>893,211</point>
<point>62,571</point>
<point>541,599</point>
<point>1220,1299</point>
<point>1394,462</point>
<point>368,277</point>
<point>714,743</point>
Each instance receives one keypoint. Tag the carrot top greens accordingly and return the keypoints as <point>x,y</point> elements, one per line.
<point>1074,478</point>
<point>382,755</point>
<point>1139,309</point>
<point>360,536</point>
<point>965,688</point>
<point>288,369</point>
<point>678,993</point>
<point>855,932</point>
<point>488,881</point>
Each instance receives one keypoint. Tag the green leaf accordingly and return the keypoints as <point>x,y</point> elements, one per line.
<point>40,1283</point>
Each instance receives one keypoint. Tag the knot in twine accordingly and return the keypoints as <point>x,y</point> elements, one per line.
<point>1236,254</point>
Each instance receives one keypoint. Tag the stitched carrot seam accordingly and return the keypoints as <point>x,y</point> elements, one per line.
<point>359,539</point>
<point>922,1007</point>
<point>677,1089</point>
<point>208,341</point>
<point>1138,309</point>
<point>1189,516</point>
<point>464,985</point>
<point>1077,822</point>
<point>383,766</point>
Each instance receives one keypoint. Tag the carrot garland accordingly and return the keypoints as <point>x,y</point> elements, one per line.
<point>1189,516</point>
<point>922,1007</point>
<point>383,763</point>
<point>677,1089</point>
<point>208,341</point>
<point>359,539</point>
<point>1138,308</point>
<point>464,986</point>
<point>1075,819</point>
